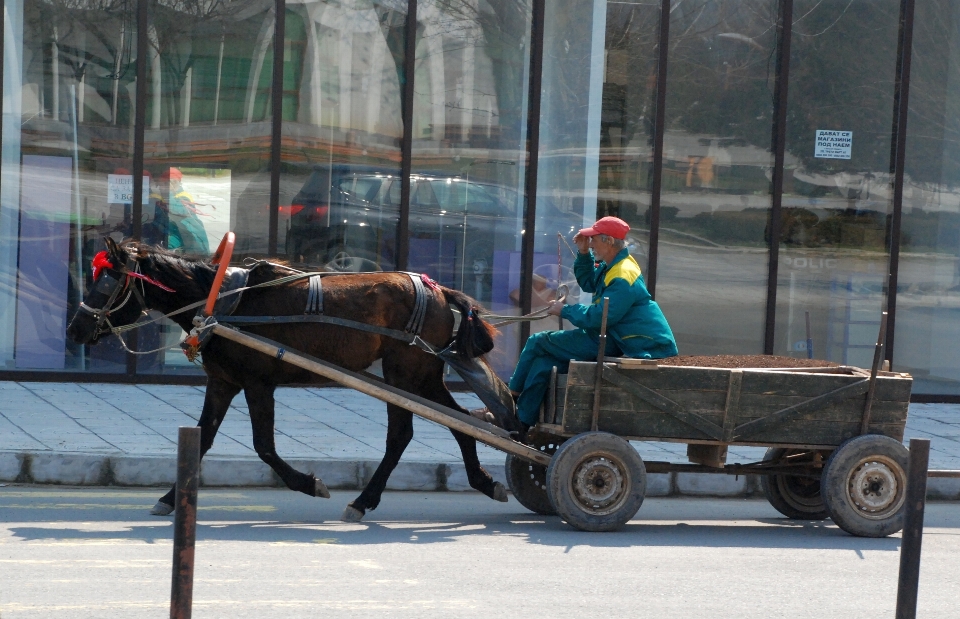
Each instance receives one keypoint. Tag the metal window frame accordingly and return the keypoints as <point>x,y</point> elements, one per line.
<point>659,123</point>
<point>276,122</point>
<point>534,101</point>
<point>898,153</point>
<point>779,139</point>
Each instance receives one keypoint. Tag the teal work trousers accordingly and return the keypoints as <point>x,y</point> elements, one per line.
<point>542,352</point>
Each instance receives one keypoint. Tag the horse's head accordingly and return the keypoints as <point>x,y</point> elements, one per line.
<point>114,300</point>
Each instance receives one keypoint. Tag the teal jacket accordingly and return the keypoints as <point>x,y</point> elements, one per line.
<point>634,320</point>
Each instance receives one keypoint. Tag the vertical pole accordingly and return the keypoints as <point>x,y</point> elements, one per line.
<point>559,276</point>
<point>139,138</point>
<point>659,122</point>
<point>877,356</point>
<point>809,336</point>
<point>402,257</point>
<point>784,32</point>
<point>533,163</point>
<point>276,98</point>
<point>898,157</point>
<point>601,352</point>
<point>912,536</point>
<point>185,522</point>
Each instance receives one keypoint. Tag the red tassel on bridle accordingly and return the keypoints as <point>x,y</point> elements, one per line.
<point>100,262</point>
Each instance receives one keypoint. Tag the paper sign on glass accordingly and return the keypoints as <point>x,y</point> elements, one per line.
<point>833,144</point>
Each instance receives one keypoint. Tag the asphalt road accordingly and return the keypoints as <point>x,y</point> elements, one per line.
<point>272,553</point>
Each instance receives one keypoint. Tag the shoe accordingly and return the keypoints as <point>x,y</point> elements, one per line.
<point>483,414</point>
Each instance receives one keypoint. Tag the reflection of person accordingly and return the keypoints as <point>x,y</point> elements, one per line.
<point>636,327</point>
<point>175,216</point>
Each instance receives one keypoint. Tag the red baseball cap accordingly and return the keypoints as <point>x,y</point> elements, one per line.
<point>611,226</point>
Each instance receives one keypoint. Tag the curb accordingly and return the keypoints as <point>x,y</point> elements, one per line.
<point>147,471</point>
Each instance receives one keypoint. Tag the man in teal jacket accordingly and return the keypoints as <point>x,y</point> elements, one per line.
<point>636,327</point>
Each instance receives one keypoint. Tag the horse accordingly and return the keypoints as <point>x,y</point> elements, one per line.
<point>132,278</point>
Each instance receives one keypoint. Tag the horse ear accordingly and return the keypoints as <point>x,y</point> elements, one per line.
<point>113,250</point>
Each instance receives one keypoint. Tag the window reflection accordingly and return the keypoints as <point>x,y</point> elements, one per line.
<point>833,246</point>
<point>469,151</point>
<point>207,140</point>
<point>340,177</point>
<point>68,84</point>
<point>717,162</point>
<point>928,294</point>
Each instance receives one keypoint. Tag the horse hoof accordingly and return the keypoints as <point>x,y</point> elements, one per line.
<point>351,514</point>
<point>320,489</point>
<point>499,493</point>
<point>161,509</point>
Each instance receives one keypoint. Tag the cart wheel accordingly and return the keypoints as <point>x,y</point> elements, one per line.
<point>794,496</point>
<point>528,481</point>
<point>596,481</point>
<point>864,485</point>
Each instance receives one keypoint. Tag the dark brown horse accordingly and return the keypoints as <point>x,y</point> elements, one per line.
<point>120,295</point>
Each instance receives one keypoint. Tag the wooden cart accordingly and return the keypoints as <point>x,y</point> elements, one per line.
<point>833,436</point>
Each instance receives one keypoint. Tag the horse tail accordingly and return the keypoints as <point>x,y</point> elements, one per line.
<point>474,336</point>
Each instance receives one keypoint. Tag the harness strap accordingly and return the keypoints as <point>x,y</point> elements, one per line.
<point>315,296</point>
<point>415,323</point>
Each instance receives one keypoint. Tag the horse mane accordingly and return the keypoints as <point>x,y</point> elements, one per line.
<point>188,274</point>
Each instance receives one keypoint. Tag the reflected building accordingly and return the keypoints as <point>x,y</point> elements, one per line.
<point>775,192</point>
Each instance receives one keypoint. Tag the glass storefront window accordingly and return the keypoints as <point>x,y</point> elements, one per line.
<point>68,112</point>
<point>207,139</point>
<point>717,165</point>
<point>596,127</point>
<point>469,152</point>
<point>928,295</point>
<point>342,125</point>
<point>837,184</point>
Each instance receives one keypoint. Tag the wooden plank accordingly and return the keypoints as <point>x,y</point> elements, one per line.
<point>622,423</point>
<point>823,432</point>
<point>753,407</point>
<point>614,398</point>
<point>445,416</point>
<point>809,386</point>
<point>760,426</point>
<point>701,379</point>
<point>631,386</point>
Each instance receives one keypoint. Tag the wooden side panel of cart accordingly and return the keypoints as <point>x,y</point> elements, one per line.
<point>716,406</point>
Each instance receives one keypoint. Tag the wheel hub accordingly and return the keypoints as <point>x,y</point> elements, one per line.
<point>599,484</point>
<point>874,488</point>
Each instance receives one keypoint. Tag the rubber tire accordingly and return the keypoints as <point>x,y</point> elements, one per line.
<point>795,497</point>
<point>528,483</point>
<point>844,464</point>
<point>613,454</point>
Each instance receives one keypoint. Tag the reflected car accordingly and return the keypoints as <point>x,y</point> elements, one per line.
<point>345,217</point>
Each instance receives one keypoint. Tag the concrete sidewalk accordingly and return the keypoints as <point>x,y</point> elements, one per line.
<point>106,434</point>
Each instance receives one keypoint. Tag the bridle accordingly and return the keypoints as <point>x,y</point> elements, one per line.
<point>113,287</point>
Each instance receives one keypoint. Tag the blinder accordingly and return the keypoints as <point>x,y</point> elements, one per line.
<point>112,287</point>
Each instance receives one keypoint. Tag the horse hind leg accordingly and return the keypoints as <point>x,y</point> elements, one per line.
<point>216,402</point>
<point>399,435</point>
<point>260,402</point>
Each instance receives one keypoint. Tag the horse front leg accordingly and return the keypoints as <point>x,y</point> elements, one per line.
<point>399,435</point>
<point>216,402</point>
<point>260,402</point>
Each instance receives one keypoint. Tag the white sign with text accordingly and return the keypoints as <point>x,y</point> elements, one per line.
<point>833,144</point>
<point>120,189</point>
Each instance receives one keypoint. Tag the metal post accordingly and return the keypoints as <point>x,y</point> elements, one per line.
<point>809,336</point>
<point>185,522</point>
<point>913,529</point>
<point>877,358</point>
<point>601,353</point>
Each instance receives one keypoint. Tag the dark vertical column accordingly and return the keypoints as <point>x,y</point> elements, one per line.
<point>909,581</point>
<point>663,50</point>
<point>3,28</point>
<point>406,141</point>
<point>139,131</point>
<point>897,158</point>
<point>782,79</point>
<point>185,522</point>
<point>276,98</point>
<point>533,153</point>
<point>140,119</point>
